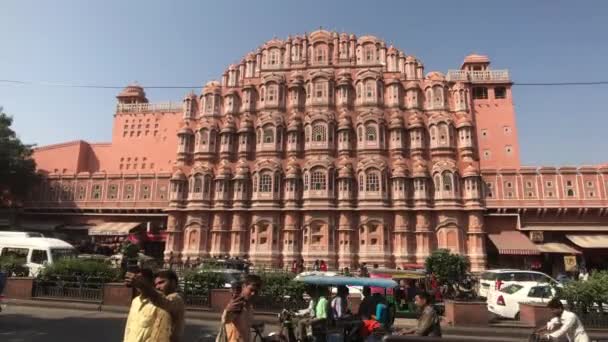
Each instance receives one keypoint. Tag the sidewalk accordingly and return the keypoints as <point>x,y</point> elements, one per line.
<point>497,330</point>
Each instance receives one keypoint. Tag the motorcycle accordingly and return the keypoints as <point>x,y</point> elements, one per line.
<point>287,331</point>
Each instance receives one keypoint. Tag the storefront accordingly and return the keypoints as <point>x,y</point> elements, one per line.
<point>512,249</point>
<point>594,249</point>
<point>109,237</point>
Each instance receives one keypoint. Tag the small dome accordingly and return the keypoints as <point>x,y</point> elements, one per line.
<point>185,130</point>
<point>346,170</point>
<point>415,120</point>
<point>470,171</point>
<point>352,37</point>
<point>435,76</point>
<point>242,169</point>
<point>412,85</point>
<point>178,175</point>
<point>190,96</point>
<point>420,169</point>
<point>396,121</point>
<point>344,122</point>
<point>476,58</point>
<point>343,36</point>
<point>294,123</point>
<point>392,50</point>
<point>224,169</point>
<point>293,168</point>
<point>410,59</point>
<point>131,91</point>
<point>212,87</point>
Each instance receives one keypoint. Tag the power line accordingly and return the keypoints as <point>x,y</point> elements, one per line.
<point>97,86</point>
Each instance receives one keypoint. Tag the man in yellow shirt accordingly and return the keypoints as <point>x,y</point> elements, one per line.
<point>163,294</point>
<point>147,322</point>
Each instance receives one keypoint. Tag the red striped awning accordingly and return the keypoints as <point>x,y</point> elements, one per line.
<point>513,243</point>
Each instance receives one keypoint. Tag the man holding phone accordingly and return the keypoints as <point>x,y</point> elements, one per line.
<point>146,322</point>
<point>238,316</point>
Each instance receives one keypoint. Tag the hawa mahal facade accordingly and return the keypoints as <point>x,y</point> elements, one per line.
<point>325,146</point>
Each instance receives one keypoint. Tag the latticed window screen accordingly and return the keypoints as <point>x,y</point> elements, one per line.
<point>371,133</point>
<point>198,184</point>
<point>447,182</point>
<point>318,180</point>
<point>319,132</point>
<point>373,182</point>
<point>265,183</point>
<point>268,135</point>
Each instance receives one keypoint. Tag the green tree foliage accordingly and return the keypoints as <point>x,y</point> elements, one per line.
<point>17,168</point>
<point>81,270</point>
<point>13,266</point>
<point>582,295</point>
<point>448,268</point>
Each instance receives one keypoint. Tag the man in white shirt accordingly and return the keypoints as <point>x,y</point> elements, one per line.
<point>565,323</point>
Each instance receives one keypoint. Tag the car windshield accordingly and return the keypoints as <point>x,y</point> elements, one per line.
<point>61,253</point>
<point>488,276</point>
<point>511,289</point>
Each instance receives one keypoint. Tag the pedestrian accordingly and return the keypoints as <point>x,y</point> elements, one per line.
<point>238,316</point>
<point>429,321</point>
<point>316,265</point>
<point>301,267</point>
<point>323,266</point>
<point>294,266</point>
<point>163,294</point>
<point>584,275</point>
<point>339,304</point>
<point>146,322</point>
<point>564,324</point>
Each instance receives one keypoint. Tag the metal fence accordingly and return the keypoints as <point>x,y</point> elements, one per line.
<point>69,288</point>
<point>196,294</point>
<point>594,320</point>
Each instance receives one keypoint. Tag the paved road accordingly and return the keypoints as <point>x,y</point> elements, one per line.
<point>32,324</point>
<point>38,324</point>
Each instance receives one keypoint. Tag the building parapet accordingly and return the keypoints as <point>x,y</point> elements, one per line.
<point>478,76</point>
<point>148,107</point>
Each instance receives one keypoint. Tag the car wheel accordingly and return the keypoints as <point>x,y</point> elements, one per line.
<point>516,317</point>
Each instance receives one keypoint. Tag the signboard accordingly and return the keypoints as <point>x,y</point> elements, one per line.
<point>537,236</point>
<point>570,263</point>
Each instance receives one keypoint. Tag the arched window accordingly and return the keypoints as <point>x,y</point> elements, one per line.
<point>318,180</point>
<point>198,184</point>
<point>437,183</point>
<point>266,183</point>
<point>268,135</point>
<point>447,181</point>
<point>360,134</point>
<point>359,90</point>
<point>272,93</point>
<point>373,182</point>
<point>438,95</point>
<point>371,133</point>
<point>361,182</point>
<point>207,184</point>
<point>306,181</point>
<point>319,132</point>
<point>443,133</point>
<point>204,136</point>
<point>369,89</point>
<point>307,133</point>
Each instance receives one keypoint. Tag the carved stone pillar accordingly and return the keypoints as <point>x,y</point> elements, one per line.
<point>291,238</point>
<point>476,246</point>
<point>219,235</point>
<point>346,241</point>
<point>423,236</point>
<point>239,235</point>
<point>174,243</point>
<point>404,240</point>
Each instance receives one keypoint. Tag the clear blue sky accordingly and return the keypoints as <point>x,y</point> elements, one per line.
<point>191,42</point>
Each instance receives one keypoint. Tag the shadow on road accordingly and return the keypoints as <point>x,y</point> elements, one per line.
<point>25,328</point>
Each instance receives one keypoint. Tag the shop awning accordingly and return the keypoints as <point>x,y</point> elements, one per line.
<point>39,226</point>
<point>556,247</point>
<point>570,229</point>
<point>76,227</point>
<point>589,241</point>
<point>513,243</point>
<point>113,228</point>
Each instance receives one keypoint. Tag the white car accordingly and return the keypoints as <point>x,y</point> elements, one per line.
<point>505,302</point>
<point>499,278</point>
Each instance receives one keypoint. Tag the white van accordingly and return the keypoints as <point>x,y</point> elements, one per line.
<point>37,251</point>
<point>13,234</point>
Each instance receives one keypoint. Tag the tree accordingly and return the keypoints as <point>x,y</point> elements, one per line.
<point>448,268</point>
<point>17,168</point>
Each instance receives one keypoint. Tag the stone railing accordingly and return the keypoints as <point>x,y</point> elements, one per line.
<point>478,76</point>
<point>148,107</point>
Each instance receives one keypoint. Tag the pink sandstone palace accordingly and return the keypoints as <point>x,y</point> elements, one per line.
<point>334,147</point>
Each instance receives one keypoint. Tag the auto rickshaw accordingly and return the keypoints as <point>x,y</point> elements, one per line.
<point>344,329</point>
<point>402,296</point>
